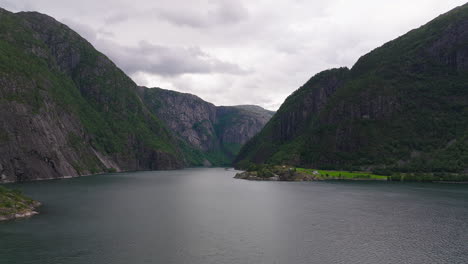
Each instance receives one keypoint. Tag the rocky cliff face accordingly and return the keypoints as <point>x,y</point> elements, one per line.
<point>402,107</point>
<point>191,117</point>
<point>67,110</point>
<point>217,132</point>
<point>238,124</point>
<point>301,107</point>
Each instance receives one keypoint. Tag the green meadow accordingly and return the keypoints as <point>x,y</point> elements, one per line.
<point>345,175</point>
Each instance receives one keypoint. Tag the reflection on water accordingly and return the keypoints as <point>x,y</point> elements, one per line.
<point>206,216</point>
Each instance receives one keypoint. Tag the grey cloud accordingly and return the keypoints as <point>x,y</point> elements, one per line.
<point>157,59</point>
<point>105,33</point>
<point>16,6</point>
<point>165,60</point>
<point>193,19</point>
<point>117,18</point>
<point>224,12</point>
<point>230,12</point>
<point>8,5</point>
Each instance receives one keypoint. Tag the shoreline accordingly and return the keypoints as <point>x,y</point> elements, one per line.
<point>51,178</point>
<point>276,179</point>
<point>60,178</point>
<point>23,214</point>
<point>15,205</point>
<point>292,174</point>
<point>2,182</point>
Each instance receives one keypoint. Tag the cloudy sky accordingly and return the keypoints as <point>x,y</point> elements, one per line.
<point>233,52</point>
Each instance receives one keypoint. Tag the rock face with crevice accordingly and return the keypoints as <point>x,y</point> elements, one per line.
<point>217,132</point>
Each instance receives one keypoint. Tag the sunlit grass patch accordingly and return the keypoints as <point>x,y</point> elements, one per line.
<point>345,175</point>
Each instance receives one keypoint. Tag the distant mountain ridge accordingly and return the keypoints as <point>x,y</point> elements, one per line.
<point>67,110</point>
<point>402,107</point>
<point>217,132</point>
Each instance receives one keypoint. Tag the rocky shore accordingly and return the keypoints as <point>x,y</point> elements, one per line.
<point>287,173</point>
<point>277,173</point>
<point>14,205</point>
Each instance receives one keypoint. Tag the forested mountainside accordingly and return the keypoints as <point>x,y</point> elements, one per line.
<point>67,110</point>
<point>402,107</point>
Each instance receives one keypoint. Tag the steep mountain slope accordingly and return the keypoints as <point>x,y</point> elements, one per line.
<point>402,107</point>
<point>214,133</point>
<point>67,110</point>
<point>235,125</point>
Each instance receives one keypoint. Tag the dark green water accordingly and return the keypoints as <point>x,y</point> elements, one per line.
<point>205,216</point>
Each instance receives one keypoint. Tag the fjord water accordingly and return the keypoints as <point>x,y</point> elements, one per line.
<point>206,216</point>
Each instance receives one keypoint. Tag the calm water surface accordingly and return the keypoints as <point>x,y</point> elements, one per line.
<point>202,216</point>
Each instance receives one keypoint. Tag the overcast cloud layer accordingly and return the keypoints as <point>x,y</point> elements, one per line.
<point>236,52</point>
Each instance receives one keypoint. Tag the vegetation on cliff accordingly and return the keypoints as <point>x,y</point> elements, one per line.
<point>68,110</point>
<point>402,108</point>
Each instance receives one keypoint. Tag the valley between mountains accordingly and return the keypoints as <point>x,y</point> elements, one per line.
<point>67,110</point>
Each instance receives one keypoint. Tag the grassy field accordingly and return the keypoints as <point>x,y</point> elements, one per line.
<point>345,175</point>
